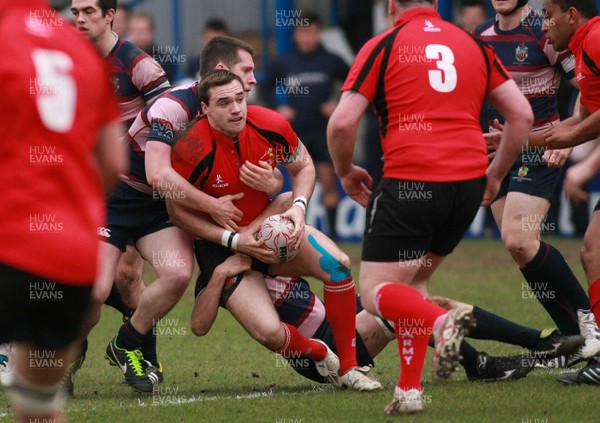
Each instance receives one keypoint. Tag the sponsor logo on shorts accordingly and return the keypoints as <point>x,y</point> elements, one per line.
<point>105,232</point>
<point>522,174</point>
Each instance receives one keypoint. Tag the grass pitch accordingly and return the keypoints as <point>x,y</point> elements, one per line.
<point>226,376</point>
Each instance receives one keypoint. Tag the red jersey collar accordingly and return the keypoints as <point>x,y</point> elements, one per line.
<point>223,139</point>
<point>417,12</point>
<point>577,39</point>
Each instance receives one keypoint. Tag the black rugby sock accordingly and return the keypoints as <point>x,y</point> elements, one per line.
<point>553,283</point>
<point>469,358</point>
<point>493,327</point>
<point>149,347</point>
<point>554,267</point>
<point>129,338</point>
<point>116,301</point>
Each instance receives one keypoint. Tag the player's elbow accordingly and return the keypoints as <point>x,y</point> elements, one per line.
<point>154,176</point>
<point>339,125</point>
<point>199,329</point>
<point>524,115</point>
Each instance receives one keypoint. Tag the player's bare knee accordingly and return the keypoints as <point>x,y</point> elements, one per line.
<point>515,246</point>
<point>345,261</point>
<point>367,301</point>
<point>588,256</point>
<point>127,275</point>
<point>178,279</point>
<point>100,294</point>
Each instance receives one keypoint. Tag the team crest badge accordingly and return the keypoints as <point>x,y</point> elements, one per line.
<point>522,52</point>
<point>269,156</point>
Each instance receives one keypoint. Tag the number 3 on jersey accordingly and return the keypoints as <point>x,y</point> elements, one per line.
<point>443,79</point>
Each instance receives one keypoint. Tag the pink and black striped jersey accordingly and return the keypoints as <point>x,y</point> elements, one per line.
<point>532,63</point>
<point>136,77</point>
<point>169,114</point>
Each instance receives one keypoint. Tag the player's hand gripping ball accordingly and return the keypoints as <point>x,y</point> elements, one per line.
<point>277,233</point>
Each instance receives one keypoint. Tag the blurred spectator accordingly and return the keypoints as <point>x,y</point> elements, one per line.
<point>121,21</point>
<point>301,86</point>
<point>212,28</point>
<point>141,33</point>
<point>472,13</point>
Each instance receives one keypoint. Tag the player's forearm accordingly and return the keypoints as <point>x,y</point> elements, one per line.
<point>192,223</point>
<point>278,183</point>
<point>303,183</point>
<point>341,142</point>
<point>341,130</point>
<point>172,185</point>
<point>303,174</point>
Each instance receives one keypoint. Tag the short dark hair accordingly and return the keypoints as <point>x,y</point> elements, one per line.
<point>216,24</point>
<point>586,8</point>
<point>106,5</point>
<point>223,49</point>
<point>215,78</point>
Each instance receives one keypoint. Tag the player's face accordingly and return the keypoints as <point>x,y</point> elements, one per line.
<point>504,6</point>
<point>556,25</point>
<point>89,19</point>
<point>226,108</point>
<point>245,70</point>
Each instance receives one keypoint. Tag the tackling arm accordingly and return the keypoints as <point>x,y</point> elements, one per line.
<point>206,307</point>
<point>171,184</point>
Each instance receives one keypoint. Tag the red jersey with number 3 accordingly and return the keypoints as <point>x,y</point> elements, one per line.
<point>57,95</point>
<point>211,161</point>
<point>427,80</point>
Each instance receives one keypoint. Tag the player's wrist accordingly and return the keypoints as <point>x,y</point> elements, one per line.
<point>230,239</point>
<point>301,202</point>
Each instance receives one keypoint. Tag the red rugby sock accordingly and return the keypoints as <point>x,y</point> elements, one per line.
<point>340,307</point>
<point>413,316</point>
<point>297,345</point>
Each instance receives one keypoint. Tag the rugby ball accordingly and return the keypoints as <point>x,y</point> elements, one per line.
<point>277,232</point>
